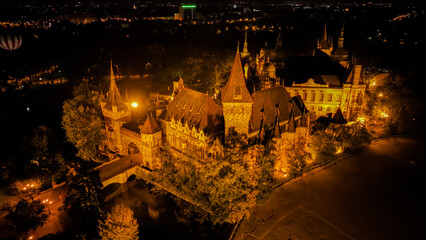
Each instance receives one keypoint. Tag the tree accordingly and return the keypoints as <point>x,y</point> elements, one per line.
<point>226,185</point>
<point>27,215</point>
<point>119,224</point>
<point>82,121</point>
<point>47,161</point>
<point>84,199</point>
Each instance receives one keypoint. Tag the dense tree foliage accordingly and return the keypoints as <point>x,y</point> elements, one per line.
<point>223,187</point>
<point>27,215</point>
<point>84,199</point>
<point>337,138</point>
<point>119,224</point>
<point>47,160</point>
<point>394,103</point>
<point>82,121</point>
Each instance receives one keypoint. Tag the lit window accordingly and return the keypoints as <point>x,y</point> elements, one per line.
<point>330,97</point>
<point>313,97</point>
<point>321,97</point>
<point>237,93</point>
<point>319,108</point>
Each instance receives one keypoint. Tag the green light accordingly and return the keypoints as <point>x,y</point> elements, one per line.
<point>189,6</point>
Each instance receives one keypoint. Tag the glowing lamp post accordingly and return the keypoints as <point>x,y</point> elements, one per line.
<point>134,104</point>
<point>47,202</point>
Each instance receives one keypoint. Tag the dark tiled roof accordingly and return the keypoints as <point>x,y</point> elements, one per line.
<point>301,68</point>
<point>150,126</point>
<point>197,109</point>
<point>236,83</point>
<point>271,101</point>
<point>332,80</point>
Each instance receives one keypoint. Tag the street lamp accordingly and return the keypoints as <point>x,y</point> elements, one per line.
<point>135,104</point>
<point>47,202</point>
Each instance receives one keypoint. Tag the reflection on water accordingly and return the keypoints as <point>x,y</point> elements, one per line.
<point>157,215</point>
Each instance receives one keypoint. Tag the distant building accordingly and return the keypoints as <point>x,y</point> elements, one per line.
<point>187,12</point>
<point>326,81</point>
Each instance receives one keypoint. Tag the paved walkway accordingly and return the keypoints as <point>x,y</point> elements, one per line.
<point>369,195</point>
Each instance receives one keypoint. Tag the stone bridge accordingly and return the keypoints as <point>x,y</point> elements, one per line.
<point>121,169</point>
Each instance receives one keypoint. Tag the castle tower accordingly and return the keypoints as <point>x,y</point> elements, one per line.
<point>341,38</point>
<point>151,143</point>
<point>245,53</point>
<point>236,100</point>
<point>116,112</point>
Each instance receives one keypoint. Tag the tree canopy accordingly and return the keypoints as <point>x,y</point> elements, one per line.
<point>27,215</point>
<point>119,224</point>
<point>82,121</point>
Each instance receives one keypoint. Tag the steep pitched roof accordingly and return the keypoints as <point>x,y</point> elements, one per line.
<point>197,109</point>
<point>150,126</point>
<point>272,101</point>
<point>338,117</point>
<point>277,129</point>
<point>113,96</point>
<point>291,123</point>
<point>235,89</point>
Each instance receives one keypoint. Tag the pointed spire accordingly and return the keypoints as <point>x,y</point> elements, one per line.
<point>114,96</point>
<point>235,89</point>
<point>324,42</point>
<point>341,39</point>
<point>277,130</point>
<point>304,119</point>
<point>291,122</point>
<point>245,53</point>
<point>324,34</point>
<point>262,127</point>
<point>238,46</point>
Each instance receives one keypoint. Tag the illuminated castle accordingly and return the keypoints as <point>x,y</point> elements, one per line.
<point>326,81</point>
<point>193,123</point>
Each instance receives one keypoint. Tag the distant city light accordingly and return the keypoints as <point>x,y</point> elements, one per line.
<point>189,6</point>
<point>380,94</point>
<point>135,104</point>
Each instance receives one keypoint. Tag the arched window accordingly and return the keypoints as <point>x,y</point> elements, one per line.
<point>312,96</point>
<point>338,97</point>
<point>321,96</point>
<point>305,95</point>
<point>330,97</point>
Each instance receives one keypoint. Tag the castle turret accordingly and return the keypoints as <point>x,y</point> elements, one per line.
<point>116,112</point>
<point>236,100</point>
<point>151,143</point>
<point>245,53</point>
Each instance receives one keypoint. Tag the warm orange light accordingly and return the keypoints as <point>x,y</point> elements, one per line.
<point>135,104</point>
<point>361,119</point>
<point>384,115</point>
<point>380,94</point>
<point>339,151</point>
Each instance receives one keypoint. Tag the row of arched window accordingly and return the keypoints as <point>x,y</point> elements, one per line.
<point>322,96</point>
